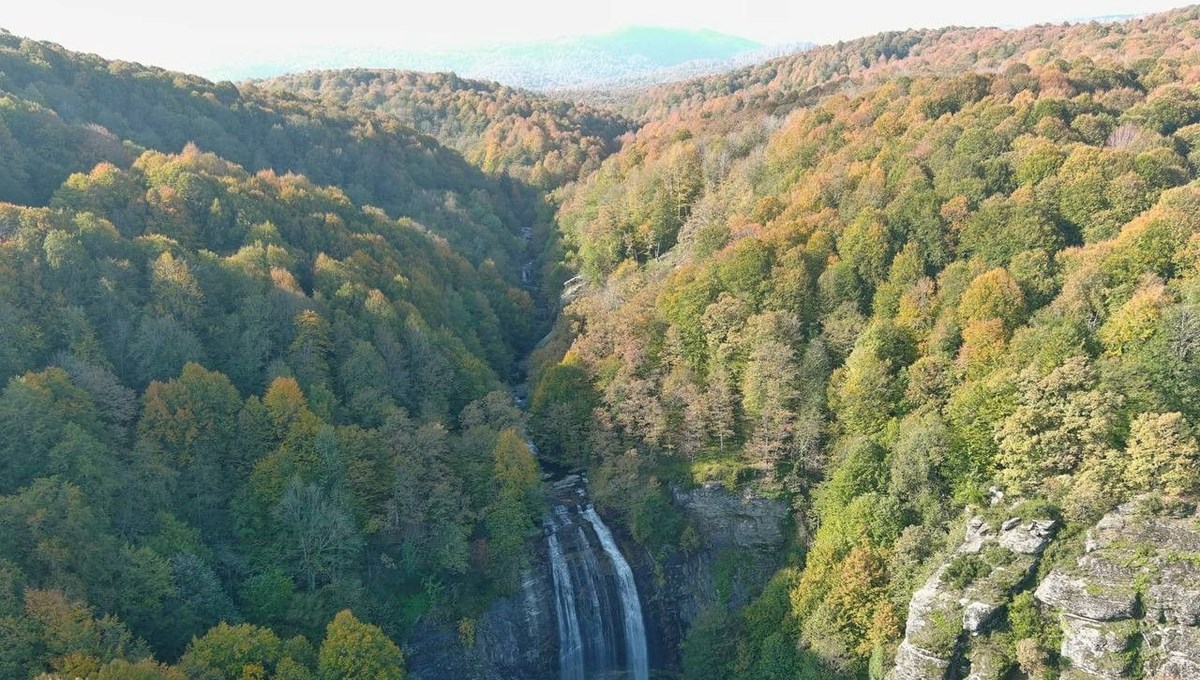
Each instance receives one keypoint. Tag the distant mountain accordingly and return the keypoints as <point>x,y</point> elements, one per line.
<point>631,53</point>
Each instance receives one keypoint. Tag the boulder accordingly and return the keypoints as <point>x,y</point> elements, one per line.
<point>1097,648</point>
<point>1027,538</point>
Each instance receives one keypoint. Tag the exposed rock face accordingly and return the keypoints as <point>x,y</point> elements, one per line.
<point>515,639</point>
<point>743,531</point>
<point>1134,596</point>
<point>962,597</point>
<point>731,520</point>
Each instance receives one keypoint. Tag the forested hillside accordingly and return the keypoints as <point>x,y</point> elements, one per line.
<point>543,141</point>
<point>240,401</point>
<point>887,280</point>
<point>259,345</point>
<point>778,85</point>
<point>63,112</point>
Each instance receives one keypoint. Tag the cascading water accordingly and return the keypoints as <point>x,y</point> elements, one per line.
<point>635,628</point>
<point>601,633</point>
<point>570,642</point>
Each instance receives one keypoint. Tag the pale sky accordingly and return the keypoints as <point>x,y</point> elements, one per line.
<point>202,35</point>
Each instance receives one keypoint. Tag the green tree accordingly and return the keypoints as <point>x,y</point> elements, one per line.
<point>321,539</point>
<point>560,413</point>
<point>354,650</point>
<point>231,652</point>
<point>192,424</point>
<point>1061,420</point>
<point>1162,454</point>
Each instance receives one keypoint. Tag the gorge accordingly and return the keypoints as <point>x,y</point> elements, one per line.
<point>596,604</point>
<point>875,361</point>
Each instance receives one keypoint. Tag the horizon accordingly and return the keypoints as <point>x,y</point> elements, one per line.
<point>140,31</point>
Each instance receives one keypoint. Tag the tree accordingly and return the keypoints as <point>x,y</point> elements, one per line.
<point>321,538</point>
<point>1060,421</point>
<point>47,421</point>
<point>856,615</point>
<point>285,403</point>
<point>176,291</point>
<point>354,650</point>
<point>309,352</point>
<point>560,413</point>
<point>231,652</point>
<point>868,390</point>
<point>720,403</point>
<point>510,517</point>
<point>162,347</point>
<point>1162,454</point>
<point>993,295</point>
<point>146,669</point>
<point>199,602</point>
<point>192,422</point>
<point>768,398</point>
<point>709,650</point>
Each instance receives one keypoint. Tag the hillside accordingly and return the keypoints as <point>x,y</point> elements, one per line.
<point>891,280</point>
<point>63,112</point>
<point>577,61</point>
<point>543,141</point>
<point>776,86</point>
<point>880,361</point>
<point>237,399</point>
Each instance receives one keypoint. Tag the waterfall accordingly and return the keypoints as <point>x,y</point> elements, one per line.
<point>604,647</point>
<point>635,629</point>
<point>600,629</point>
<point>570,642</point>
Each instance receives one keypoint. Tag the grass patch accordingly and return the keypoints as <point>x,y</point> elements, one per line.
<point>727,469</point>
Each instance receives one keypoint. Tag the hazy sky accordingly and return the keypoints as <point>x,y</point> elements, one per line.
<point>201,35</point>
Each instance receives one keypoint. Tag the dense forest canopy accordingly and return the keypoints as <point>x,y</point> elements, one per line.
<point>259,343</point>
<point>242,397</point>
<point>889,279</point>
<point>63,112</point>
<point>546,142</point>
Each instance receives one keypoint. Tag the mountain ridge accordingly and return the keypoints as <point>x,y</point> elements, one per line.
<point>571,61</point>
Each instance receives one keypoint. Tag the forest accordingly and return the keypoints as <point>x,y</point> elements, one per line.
<point>279,385</point>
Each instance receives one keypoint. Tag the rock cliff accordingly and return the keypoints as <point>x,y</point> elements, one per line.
<point>741,538</point>
<point>964,595</point>
<point>516,639</point>
<point>1127,607</point>
<point>1131,603</point>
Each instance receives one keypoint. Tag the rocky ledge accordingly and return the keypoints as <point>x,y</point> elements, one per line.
<point>727,519</point>
<point>964,595</point>
<point>1131,603</point>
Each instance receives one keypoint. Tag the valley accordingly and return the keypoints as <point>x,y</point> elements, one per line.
<point>876,360</point>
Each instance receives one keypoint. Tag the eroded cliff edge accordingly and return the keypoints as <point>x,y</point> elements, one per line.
<point>1123,600</point>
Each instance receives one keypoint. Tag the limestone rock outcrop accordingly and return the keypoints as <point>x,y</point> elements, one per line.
<point>1131,602</point>
<point>963,596</point>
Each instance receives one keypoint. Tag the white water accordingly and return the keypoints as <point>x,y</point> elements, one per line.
<point>570,642</point>
<point>635,630</point>
<point>601,644</point>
